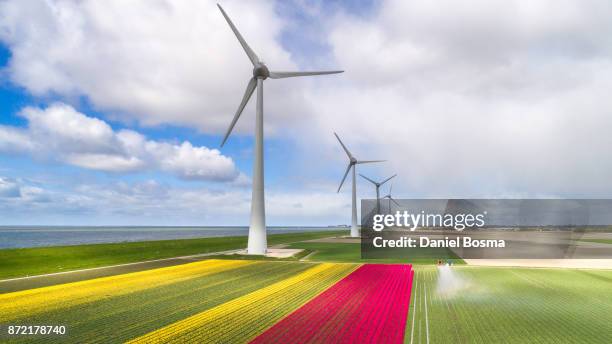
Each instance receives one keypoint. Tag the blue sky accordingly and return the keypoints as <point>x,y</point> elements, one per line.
<point>120,122</point>
<point>64,179</point>
<point>303,48</point>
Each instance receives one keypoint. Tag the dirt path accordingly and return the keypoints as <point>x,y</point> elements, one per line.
<point>336,240</point>
<point>305,258</point>
<point>545,263</point>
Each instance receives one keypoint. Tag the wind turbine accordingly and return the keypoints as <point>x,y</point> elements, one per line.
<point>388,196</point>
<point>257,242</point>
<point>377,185</point>
<point>351,165</point>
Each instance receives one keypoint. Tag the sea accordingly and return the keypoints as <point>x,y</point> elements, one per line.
<point>40,236</point>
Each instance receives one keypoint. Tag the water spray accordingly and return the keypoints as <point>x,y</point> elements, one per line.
<point>449,282</point>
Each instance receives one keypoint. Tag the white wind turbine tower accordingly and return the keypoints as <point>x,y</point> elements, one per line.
<point>257,242</point>
<point>351,165</point>
<point>377,185</point>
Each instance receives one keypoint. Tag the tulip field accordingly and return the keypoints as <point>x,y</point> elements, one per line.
<point>223,301</point>
<point>254,301</point>
<point>72,294</point>
<point>246,316</point>
<point>370,305</point>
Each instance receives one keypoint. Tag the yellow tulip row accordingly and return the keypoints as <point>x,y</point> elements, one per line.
<point>243,318</point>
<point>29,302</point>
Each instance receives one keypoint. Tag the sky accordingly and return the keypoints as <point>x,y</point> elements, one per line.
<point>112,113</point>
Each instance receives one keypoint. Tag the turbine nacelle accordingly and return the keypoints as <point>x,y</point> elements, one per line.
<point>352,161</point>
<point>261,71</point>
<point>390,198</point>
<point>377,184</point>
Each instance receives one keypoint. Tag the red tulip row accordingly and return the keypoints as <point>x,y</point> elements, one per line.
<point>368,306</point>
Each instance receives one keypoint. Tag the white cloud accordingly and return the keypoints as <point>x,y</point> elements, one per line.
<point>18,193</point>
<point>9,188</point>
<point>59,132</point>
<point>10,138</point>
<point>476,98</point>
<point>155,61</point>
<point>191,162</point>
<point>466,99</point>
<point>105,162</point>
<point>63,127</point>
<point>153,203</point>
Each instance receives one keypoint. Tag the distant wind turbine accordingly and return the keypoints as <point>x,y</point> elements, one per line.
<point>377,185</point>
<point>257,242</point>
<point>351,165</point>
<point>388,196</point>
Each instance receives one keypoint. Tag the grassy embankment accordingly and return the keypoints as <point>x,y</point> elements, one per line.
<point>41,260</point>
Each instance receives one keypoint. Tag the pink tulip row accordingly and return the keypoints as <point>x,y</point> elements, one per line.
<point>368,306</point>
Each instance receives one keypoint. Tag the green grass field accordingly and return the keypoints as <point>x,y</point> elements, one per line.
<point>343,252</point>
<point>599,241</point>
<point>511,305</point>
<point>41,260</point>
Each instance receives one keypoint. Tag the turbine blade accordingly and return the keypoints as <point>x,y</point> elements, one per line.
<point>388,179</point>
<point>250,53</point>
<point>393,200</point>
<point>369,161</point>
<point>344,178</point>
<point>344,147</point>
<point>282,75</point>
<point>368,179</point>
<point>245,99</point>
